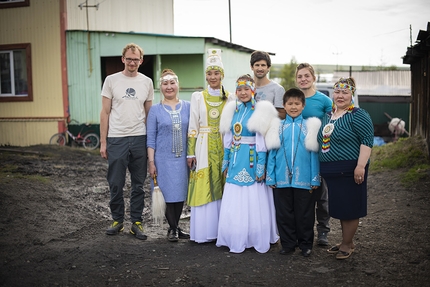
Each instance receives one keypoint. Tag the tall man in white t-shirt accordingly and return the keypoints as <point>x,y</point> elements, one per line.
<point>126,99</point>
<point>266,89</point>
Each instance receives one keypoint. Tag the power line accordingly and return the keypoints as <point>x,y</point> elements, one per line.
<point>389,33</point>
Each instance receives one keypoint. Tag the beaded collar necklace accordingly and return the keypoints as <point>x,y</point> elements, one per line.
<point>175,117</point>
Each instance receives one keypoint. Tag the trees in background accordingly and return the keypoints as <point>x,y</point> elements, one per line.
<point>288,74</point>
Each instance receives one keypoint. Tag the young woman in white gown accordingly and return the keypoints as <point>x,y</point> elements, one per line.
<point>247,216</point>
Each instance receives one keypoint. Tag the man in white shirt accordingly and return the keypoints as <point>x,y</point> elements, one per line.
<point>126,99</point>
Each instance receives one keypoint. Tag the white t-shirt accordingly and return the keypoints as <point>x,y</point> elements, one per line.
<point>272,92</point>
<point>128,95</point>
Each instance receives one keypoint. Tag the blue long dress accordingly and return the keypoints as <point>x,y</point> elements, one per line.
<point>172,171</point>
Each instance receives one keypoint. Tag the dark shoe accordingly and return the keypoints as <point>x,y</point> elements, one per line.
<point>183,235</point>
<point>172,235</point>
<point>306,252</point>
<point>137,230</point>
<point>322,239</point>
<point>115,228</point>
<point>286,251</point>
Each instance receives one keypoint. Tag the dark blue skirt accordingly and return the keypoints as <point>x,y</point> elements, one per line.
<point>346,199</point>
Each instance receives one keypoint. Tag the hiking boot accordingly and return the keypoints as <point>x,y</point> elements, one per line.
<point>322,239</point>
<point>115,228</point>
<point>172,235</point>
<point>137,230</point>
<point>183,235</point>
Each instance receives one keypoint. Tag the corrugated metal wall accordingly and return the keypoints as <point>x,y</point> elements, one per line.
<point>147,16</point>
<point>25,123</point>
<point>384,83</point>
<point>85,85</point>
<point>84,77</point>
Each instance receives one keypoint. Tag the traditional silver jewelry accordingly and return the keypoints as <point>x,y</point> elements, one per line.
<point>214,104</point>
<point>175,117</point>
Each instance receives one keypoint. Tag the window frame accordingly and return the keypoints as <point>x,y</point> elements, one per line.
<point>19,98</point>
<point>14,4</point>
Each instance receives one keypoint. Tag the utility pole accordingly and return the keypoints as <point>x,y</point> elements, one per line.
<point>86,6</point>
<point>410,33</point>
<point>229,19</point>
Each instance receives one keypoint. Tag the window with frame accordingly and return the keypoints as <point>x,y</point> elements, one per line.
<point>15,73</point>
<point>14,3</point>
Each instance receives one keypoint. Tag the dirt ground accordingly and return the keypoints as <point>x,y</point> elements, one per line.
<point>54,212</point>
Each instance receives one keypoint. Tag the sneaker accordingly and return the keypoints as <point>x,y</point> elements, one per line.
<point>172,235</point>
<point>306,252</point>
<point>183,235</point>
<point>137,230</point>
<point>287,251</point>
<point>115,228</point>
<point>322,239</point>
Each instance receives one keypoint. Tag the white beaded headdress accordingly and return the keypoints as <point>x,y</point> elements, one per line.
<point>213,61</point>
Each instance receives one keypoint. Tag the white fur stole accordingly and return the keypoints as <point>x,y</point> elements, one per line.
<point>264,120</point>
<point>313,125</point>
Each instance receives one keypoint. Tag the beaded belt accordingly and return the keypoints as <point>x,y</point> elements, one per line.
<point>208,130</point>
<point>245,140</point>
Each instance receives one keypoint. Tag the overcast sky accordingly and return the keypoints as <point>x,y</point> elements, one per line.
<point>348,32</point>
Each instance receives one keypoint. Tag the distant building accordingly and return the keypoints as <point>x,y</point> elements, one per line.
<point>385,95</point>
<point>418,57</point>
<point>62,50</point>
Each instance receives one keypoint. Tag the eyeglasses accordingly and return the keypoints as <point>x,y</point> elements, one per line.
<point>129,60</point>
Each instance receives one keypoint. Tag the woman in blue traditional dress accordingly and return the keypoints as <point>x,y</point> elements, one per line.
<point>167,127</point>
<point>247,216</point>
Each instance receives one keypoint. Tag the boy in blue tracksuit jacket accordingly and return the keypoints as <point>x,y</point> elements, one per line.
<point>293,173</point>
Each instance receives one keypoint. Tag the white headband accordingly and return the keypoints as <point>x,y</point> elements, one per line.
<point>168,78</point>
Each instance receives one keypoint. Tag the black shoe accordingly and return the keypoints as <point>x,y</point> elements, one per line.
<point>306,252</point>
<point>322,239</point>
<point>172,235</point>
<point>183,235</point>
<point>286,251</point>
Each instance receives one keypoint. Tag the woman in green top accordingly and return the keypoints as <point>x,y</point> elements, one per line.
<point>205,153</point>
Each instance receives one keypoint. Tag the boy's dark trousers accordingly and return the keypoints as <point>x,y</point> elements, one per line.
<point>295,217</point>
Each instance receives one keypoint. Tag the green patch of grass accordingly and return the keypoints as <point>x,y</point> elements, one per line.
<point>416,174</point>
<point>9,177</point>
<point>40,178</point>
<point>8,168</point>
<point>8,173</point>
<point>410,154</point>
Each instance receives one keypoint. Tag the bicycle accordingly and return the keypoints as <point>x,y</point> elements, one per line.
<point>88,140</point>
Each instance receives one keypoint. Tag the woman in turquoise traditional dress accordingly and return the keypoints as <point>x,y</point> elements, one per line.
<point>247,217</point>
<point>205,153</point>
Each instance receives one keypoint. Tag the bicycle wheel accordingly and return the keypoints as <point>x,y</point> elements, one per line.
<point>91,141</point>
<point>58,139</point>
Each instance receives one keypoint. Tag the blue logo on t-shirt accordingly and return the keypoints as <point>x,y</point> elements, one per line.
<point>130,93</point>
